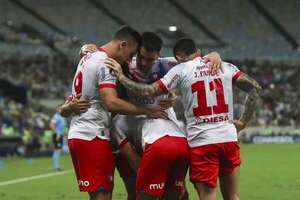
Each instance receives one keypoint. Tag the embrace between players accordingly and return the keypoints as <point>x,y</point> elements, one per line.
<point>124,117</point>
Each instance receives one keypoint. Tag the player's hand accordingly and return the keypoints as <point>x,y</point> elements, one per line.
<point>87,48</point>
<point>79,105</point>
<point>169,102</point>
<point>216,62</point>
<point>239,125</point>
<point>114,65</point>
<point>155,112</point>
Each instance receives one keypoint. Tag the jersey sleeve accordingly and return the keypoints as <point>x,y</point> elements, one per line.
<point>232,71</point>
<point>171,80</point>
<point>106,77</point>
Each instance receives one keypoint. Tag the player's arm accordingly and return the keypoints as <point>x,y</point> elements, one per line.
<point>151,90</point>
<point>74,106</point>
<point>253,90</point>
<point>114,104</point>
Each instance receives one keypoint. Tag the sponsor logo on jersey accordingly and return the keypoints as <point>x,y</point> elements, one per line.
<point>214,119</point>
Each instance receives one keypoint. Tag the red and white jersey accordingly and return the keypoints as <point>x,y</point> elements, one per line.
<point>152,129</point>
<point>207,100</point>
<point>92,75</point>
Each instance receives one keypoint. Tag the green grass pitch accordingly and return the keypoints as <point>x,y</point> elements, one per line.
<point>268,172</point>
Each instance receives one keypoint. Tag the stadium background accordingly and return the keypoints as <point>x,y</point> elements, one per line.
<point>39,44</point>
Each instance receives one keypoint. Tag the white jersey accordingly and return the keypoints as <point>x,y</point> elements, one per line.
<point>92,75</point>
<point>152,129</point>
<point>207,100</point>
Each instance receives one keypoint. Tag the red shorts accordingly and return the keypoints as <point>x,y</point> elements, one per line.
<point>164,164</point>
<point>94,164</point>
<point>213,160</point>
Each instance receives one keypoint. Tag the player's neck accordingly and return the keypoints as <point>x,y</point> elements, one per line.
<point>110,49</point>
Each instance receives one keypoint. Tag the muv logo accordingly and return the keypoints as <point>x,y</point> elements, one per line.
<point>157,186</point>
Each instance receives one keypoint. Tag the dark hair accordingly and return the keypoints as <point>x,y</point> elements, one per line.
<point>151,41</point>
<point>185,45</point>
<point>129,34</point>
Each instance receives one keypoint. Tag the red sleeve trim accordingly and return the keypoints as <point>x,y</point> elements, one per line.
<point>162,87</point>
<point>237,75</point>
<point>122,144</point>
<point>107,85</point>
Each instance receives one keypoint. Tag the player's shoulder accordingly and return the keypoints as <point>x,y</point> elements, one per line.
<point>180,67</point>
<point>194,62</point>
<point>93,60</point>
<point>98,55</point>
<point>95,57</point>
<point>229,67</point>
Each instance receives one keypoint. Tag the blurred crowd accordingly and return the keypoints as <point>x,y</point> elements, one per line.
<point>279,105</point>
<point>43,77</point>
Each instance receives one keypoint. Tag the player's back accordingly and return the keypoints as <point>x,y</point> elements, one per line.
<point>91,75</point>
<point>207,100</point>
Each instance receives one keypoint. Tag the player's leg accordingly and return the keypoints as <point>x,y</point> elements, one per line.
<point>204,170</point>
<point>230,185</point>
<point>94,171</point>
<point>229,171</point>
<point>185,195</point>
<point>205,192</point>
<point>152,174</point>
<point>57,142</point>
<point>130,187</point>
<point>175,188</point>
<point>128,176</point>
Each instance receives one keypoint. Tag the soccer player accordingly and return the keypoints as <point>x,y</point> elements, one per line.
<point>207,100</point>
<point>57,125</point>
<point>88,137</point>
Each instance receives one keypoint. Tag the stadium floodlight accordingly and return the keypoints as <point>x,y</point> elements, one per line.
<point>172,28</point>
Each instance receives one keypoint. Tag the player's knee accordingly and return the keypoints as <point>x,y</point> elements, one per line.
<point>203,188</point>
<point>100,194</point>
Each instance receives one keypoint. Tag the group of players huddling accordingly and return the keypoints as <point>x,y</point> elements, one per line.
<point>122,116</point>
